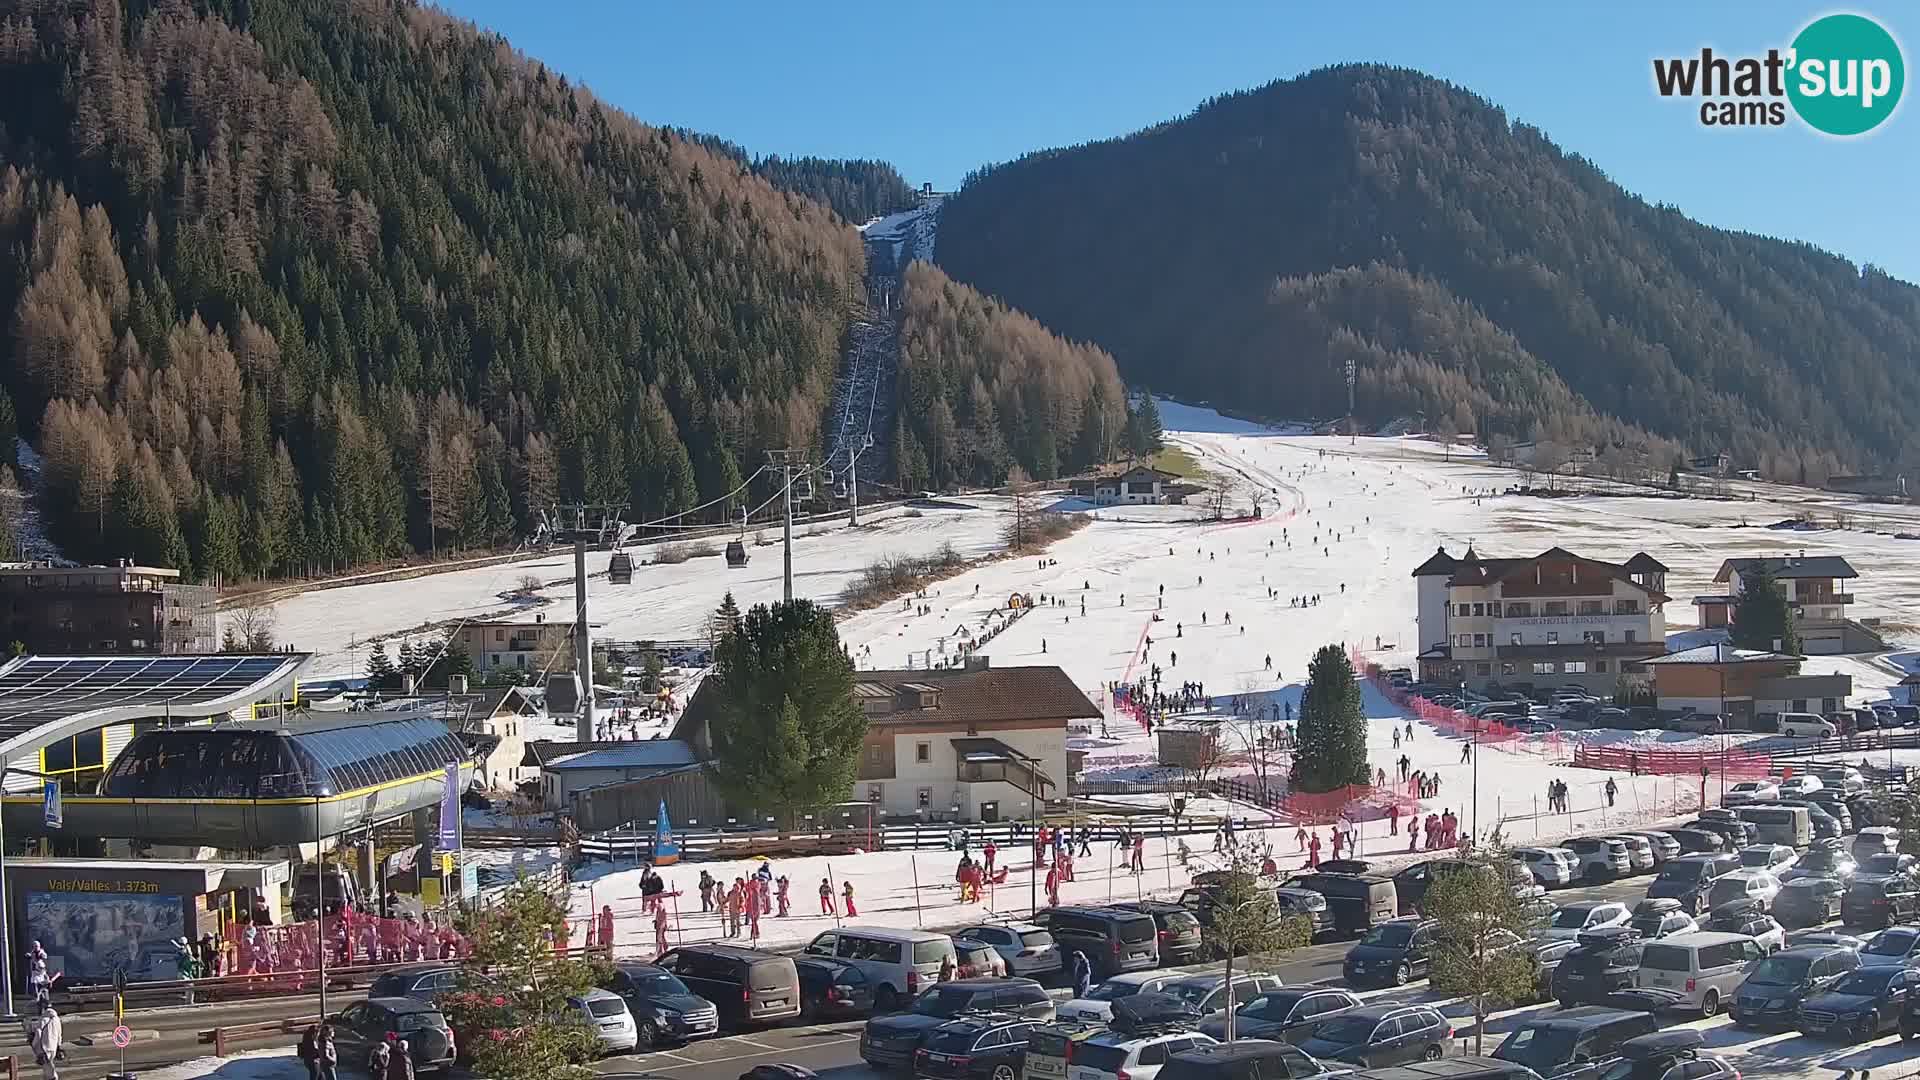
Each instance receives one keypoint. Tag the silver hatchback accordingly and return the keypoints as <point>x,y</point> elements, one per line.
<point>606,1014</point>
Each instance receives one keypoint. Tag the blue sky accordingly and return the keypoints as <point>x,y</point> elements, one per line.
<point>938,89</point>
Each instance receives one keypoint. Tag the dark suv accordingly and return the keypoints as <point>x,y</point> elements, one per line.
<point>1177,928</point>
<point>1604,961</point>
<point>1881,899</point>
<point>1290,1014</point>
<point>972,1047</point>
<point>663,1008</point>
<point>1773,992</point>
<point>1688,879</point>
<point>1391,953</point>
<point>1240,1061</point>
<point>891,1041</point>
<point>1575,1043</point>
<point>422,982</point>
<point>366,1024</point>
<point>1114,939</point>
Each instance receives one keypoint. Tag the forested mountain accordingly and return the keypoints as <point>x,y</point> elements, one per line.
<point>1474,271</point>
<point>982,387</point>
<point>858,189</point>
<point>290,287</point>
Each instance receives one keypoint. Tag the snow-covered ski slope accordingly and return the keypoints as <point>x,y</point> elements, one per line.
<point>663,602</point>
<point>1363,515</point>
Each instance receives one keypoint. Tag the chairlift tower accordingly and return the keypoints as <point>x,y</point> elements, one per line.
<point>793,467</point>
<point>1353,422</point>
<point>584,523</point>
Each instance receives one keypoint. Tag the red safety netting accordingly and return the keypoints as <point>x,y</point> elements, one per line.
<point>353,939</point>
<point>1742,763</point>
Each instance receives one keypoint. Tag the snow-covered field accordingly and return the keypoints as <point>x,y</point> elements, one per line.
<point>1345,521</point>
<point>664,602</point>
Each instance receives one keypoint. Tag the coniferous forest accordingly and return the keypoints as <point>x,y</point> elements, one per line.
<point>296,287</point>
<point>1480,278</point>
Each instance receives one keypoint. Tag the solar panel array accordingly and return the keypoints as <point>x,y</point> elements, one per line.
<point>41,690</point>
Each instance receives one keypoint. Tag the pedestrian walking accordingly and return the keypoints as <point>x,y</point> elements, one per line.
<point>1613,789</point>
<point>309,1051</point>
<point>1082,974</point>
<point>329,1055</point>
<point>826,897</point>
<point>846,894</point>
<point>44,1039</point>
<point>660,930</point>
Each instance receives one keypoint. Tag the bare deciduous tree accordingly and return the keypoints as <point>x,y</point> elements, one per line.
<point>249,628</point>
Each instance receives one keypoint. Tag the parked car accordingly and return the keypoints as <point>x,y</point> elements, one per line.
<point>1747,917</point>
<point>1806,725</point>
<point>1374,1036</point>
<point>891,1041</point>
<point>1574,1043</point>
<point>1755,885</point>
<point>1177,928</point>
<point>1881,899</point>
<point>1705,967</point>
<point>1749,790</point>
<point>989,1047</point>
<point>1736,832</point>
<point>1241,1060</point>
<point>832,990</point>
<point>1839,806</point>
<point>360,1027</point>
<point>1827,937</point>
<point>664,1009</point>
<point>1689,878</point>
<point>1894,945</point>
<point>1825,825</point>
<point>974,959</point>
<point>1661,916</point>
<point>422,982</point>
<point>749,986</point>
<point>1860,1007</point>
<point>1289,1014</point>
<point>1391,954</point>
<point>1698,723</point>
<point>1290,902</point>
<point>1773,858</point>
<point>1878,840</point>
<point>1571,920</point>
<point>1206,991</point>
<point>1114,939</point>
<point>1097,1006</point>
<point>1599,859</point>
<point>1110,1055</point>
<point>1668,1055</point>
<point>1601,962</point>
<point>1827,860</point>
<point>605,1014</point>
<point>1808,901</point>
<point>1552,867</point>
<point>1773,991</point>
<point>1639,851</point>
<point>1800,784</point>
<point>1699,842</point>
<point>1664,845</point>
<point>899,962</point>
<point>1030,951</point>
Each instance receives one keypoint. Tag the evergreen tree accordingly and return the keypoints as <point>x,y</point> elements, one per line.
<point>409,662</point>
<point>1144,434</point>
<point>724,620</point>
<point>381,674</point>
<point>1762,615</point>
<point>1331,749</point>
<point>786,731</point>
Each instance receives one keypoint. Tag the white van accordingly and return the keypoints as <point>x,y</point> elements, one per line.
<point>1796,724</point>
<point>1704,967</point>
<point>1791,826</point>
<point>899,963</point>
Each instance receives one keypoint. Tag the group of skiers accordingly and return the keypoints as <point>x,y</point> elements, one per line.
<point>1439,830</point>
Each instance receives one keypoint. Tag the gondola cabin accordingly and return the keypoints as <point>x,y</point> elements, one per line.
<point>620,568</point>
<point>736,553</point>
